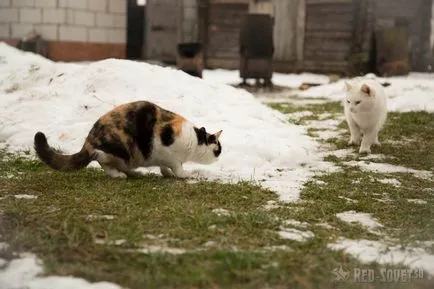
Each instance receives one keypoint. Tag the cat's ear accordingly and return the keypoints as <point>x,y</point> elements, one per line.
<point>348,86</point>
<point>217,134</point>
<point>202,129</point>
<point>366,89</point>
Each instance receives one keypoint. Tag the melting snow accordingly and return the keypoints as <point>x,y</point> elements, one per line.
<point>417,201</point>
<point>388,168</point>
<point>364,219</point>
<point>24,196</point>
<point>296,235</point>
<point>25,272</point>
<point>370,251</point>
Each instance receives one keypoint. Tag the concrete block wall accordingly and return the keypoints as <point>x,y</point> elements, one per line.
<point>89,21</point>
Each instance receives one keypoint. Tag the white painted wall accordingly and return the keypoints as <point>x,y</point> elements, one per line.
<point>95,21</point>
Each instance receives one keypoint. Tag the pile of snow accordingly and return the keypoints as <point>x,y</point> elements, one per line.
<point>414,92</point>
<point>64,100</point>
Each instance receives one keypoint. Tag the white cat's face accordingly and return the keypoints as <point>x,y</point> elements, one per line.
<point>359,98</point>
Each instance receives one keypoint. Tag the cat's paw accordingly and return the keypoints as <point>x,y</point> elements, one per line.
<point>166,172</point>
<point>364,150</point>
<point>117,175</point>
<point>353,142</point>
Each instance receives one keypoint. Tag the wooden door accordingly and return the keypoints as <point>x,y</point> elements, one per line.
<point>163,29</point>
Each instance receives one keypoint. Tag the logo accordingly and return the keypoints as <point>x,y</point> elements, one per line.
<point>340,274</point>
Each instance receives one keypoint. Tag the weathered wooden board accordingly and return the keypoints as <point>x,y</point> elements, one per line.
<point>224,25</point>
<point>163,29</point>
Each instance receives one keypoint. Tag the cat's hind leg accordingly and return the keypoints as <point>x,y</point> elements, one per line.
<point>112,172</point>
<point>166,172</point>
<point>355,133</point>
<point>113,166</point>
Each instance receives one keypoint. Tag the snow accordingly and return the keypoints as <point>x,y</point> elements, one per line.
<point>221,76</point>
<point>64,100</point>
<point>24,196</point>
<point>295,223</point>
<point>414,92</point>
<point>390,181</point>
<point>221,212</point>
<point>388,168</point>
<point>417,201</point>
<point>374,251</point>
<point>24,272</point>
<point>295,235</point>
<point>364,219</point>
<point>100,217</point>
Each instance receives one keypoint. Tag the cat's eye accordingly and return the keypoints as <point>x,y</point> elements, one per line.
<point>348,101</point>
<point>357,102</point>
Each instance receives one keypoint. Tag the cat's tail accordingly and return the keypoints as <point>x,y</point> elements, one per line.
<point>58,161</point>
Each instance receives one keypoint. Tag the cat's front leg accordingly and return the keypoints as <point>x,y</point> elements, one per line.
<point>369,138</point>
<point>179,171</point>
<point>354,132</point>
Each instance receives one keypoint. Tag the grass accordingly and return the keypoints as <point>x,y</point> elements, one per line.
<point>240,248</point>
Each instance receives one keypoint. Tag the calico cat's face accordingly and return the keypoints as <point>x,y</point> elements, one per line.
<point>209,147</point>
<point>359,98</point>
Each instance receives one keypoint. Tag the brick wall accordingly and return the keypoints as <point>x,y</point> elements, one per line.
<point>91,25</point>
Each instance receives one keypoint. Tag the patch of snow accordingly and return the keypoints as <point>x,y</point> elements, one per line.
<point>295,223</point>
<point>161,250</point>
<point>417,201</point>
<point>319,182</point>
<point>363,219</point>
<point>388,168</point>
<point>24,196</point>
<point>342,153</point>
<point>24,272</point>
<point>277,248</point>
<point>270,205</point>
<point>110,243</point>
<point>325,225</point>
<point>221,76</point>
<point>296,235</point>
<point>221,212</point>
<point>100,217</point>
<point>64,100</point>
<point>326,134</point>
<point>374,251</point>
<point>3,246</point>
<point>414,92</point>
<point>348,199</point>
<point>299,114</point>
<point>328,124</point>
<point>390,181</point>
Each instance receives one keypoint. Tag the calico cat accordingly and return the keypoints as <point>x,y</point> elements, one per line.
<point>366,112</point>
<point>137,134</point>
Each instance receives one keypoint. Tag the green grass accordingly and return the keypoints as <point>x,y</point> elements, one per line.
<point>226,251</point>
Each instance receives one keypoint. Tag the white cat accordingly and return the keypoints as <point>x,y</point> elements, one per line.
<point>366,112</point>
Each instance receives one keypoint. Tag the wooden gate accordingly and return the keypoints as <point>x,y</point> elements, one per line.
<point>224,23</point>
<point>163,29</point>
<point>328,35</point>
